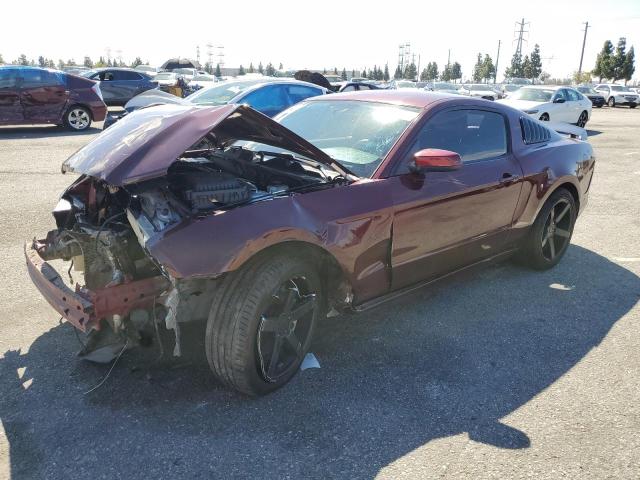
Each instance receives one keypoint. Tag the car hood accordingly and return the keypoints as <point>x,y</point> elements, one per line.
<point>145,143</point>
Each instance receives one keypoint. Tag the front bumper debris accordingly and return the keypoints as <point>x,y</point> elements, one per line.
<point>86,308</point>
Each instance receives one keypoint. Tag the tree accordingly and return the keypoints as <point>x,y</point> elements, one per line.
<point>488,68</point>
<point>42,62</point>
<point>398,73</point>
<point>218,72</point>
<point>456,71</point>
<point>324,71</point>
<point>344,74</point>
<point>208,68</point>
<point>411,72</point>
<point>582,77</point>
<point>353,73</point>
<point>515,69</point>
<point>385,77</point>
<point>446,73</point>
<point>544,76</point>
<point>60,64</point>
<point>477,69</point>
<point>251,70</point>
<point>270,70</point>
<point>1,59</point>
<point>604,62</point>
<point>100,63</point>
<point>22,59</point>
<point>424,75</point>
<point>241,71</point>
<point>335,70</point>
<point>364,72</point>
<point>527,71</point>
<point>619,59</point>
<point>628,67</point>
<point>536,62</point>
<point>71,61</point>
<point>260,68</point>
<point>89,63</point>
<point>432,71</point>
<point>280,67</point>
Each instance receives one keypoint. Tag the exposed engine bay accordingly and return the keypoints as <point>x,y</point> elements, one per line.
<point>103,230</point>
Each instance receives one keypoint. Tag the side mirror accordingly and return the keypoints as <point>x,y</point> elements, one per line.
<point>559,100</point>
<point>435,160</point>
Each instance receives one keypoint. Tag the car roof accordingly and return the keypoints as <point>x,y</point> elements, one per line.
<point>410,98</point>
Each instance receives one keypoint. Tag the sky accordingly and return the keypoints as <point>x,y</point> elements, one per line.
<point>317,35</point>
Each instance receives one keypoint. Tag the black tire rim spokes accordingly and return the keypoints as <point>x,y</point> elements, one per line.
<point>557,230</point>
<point>284,328</point>
<point>582,121</point>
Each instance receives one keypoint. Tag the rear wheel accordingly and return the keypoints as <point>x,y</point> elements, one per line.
<point>77,118</point>
<point>611,102</point>
<point>550,234</point>
<point>544,117</point>
<point>261,324</point>
<point>582,120</point>
<point>633,105</point>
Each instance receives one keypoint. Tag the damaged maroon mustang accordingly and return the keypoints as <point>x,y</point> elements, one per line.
<point>262,227</point>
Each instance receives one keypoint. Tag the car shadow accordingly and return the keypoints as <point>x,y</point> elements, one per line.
<point>45,131</point>
<point>593,133</point>
<point>454,359</point>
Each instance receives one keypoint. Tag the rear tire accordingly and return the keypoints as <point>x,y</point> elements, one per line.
<point>77,118</point>
<point>261,323</point>
<point>633,105</point>
<point>550,234</point>
<point>611,102</point>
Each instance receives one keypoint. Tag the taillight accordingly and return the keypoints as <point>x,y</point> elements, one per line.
<point>96,89</point>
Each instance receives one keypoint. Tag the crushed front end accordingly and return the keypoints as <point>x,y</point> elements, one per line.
<point>116,286</point>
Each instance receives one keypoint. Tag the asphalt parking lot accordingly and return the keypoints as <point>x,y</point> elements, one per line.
<point>500,373</point>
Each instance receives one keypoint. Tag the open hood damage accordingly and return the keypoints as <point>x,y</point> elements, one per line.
<point>144,144</point>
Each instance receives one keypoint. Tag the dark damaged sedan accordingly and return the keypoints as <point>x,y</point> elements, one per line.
<point>261,228</point>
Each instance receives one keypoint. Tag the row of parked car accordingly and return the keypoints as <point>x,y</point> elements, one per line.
<point>32,95</point>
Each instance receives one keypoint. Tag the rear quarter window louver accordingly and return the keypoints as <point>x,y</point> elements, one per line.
<point>533,132</point>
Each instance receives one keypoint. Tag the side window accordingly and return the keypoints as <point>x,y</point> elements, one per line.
<point>107,76</point>
<point>8,78</point>
<point>560,94</point>
<point>124,75</point>
<point>297,93</point>
<point>573,95</point>
<point>349,88</point>
<point>267,99</point>
<point>364,87</point>
<point>473,134</point>
<point>39,78</point>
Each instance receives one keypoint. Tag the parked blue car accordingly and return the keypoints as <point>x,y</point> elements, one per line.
<point>119,85</point>
<point>266,94</point>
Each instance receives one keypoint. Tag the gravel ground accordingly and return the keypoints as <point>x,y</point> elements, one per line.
<point>499,373</point>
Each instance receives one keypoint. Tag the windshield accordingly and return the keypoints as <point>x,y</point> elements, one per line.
<point>165,76</point>
<point>620,88</point>
<point>587,90</point>
<point>479,86</point>
<point>358,135</point>
<point>533,94</point>
<point>205,78</point>
<point>220,94</point>
<point>444,86</point>
<point>406,85</point>
<point>512,88</point>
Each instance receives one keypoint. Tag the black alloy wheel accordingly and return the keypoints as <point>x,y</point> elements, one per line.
<point>556,233</point>
<point>284,328</point>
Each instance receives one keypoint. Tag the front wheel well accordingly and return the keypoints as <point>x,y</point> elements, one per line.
<point>571,188</point>
<point>334,280</point>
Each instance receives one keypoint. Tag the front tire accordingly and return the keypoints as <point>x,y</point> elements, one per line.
<point>611,102</point>
<point>550,234</point>
<point>261,323</point>
<point>633,105</point>
<point>582,120</point>
<point>77,118</point>
<point>544,117</point>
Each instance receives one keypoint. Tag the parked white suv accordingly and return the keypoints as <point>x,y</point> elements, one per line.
<point>615,94</point>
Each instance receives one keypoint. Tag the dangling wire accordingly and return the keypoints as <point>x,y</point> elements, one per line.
<point>110,370</point>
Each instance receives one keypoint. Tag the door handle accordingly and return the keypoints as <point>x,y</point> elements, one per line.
<point>508,178</point>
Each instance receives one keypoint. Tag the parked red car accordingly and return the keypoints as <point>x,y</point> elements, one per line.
<point>31,95</point>
<point>222,214</point>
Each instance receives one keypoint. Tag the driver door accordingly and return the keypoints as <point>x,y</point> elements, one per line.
<point>447,220</point>
<point>561,111</point>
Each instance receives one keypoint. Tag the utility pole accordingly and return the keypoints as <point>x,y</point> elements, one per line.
<point>521,36</point>
<point>495,73</point>
<point>584,41</point>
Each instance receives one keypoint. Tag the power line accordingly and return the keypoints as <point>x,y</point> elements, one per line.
<point>520,32</point>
